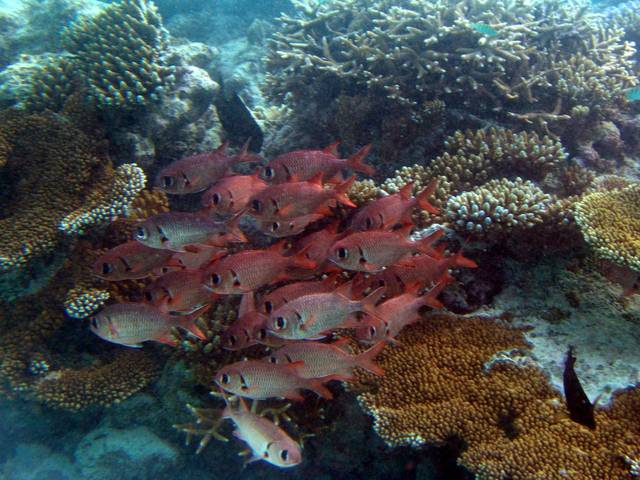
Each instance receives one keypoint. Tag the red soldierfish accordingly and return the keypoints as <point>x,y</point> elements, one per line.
<point>315,315</point>
<point>291,291</point>
<point>305,164</point>
<point>130,324</point>
<point>266,440</point>
<point>387,212</point>
<point>261,380</point>
<point>249,270</point>
<point>372,250</point>
<point>197,172</point>
<point>316,245</point>
<point>244,331</point>
<point>181,292</point>
<point>130,260</point>
<point>177,230</point>
<point>327,359</point>
<point>200,258</point>
<point>396,313</point>
<point>231,195</point>
<point>288,227</point>
<point>295,199</point>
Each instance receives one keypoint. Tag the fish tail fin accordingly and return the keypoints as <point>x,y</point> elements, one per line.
<point>233,226</point>
<point>425,245</point>
<point>430,298</point>
<point>332,148</point>
<point>188,322</point>
<point>460,261</point>
<point>317,386</point>
<point>423,197</point>
<point>340,192</point>
<point>366,359</point>
<point>247,304</point>
<point>355,161</point>
<point>369,302</point>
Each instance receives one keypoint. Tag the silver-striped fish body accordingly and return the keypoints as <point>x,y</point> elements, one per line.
<point>266,440</point>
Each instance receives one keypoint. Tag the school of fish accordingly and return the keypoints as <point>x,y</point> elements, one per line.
<point>328,272</point>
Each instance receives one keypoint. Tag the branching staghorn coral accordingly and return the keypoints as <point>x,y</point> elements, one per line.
<point>114,57</point>
<point>524,60</point>
<point>448,380</point>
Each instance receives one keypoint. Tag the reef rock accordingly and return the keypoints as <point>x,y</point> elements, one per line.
<point>106,454</point>
<point>49,465</point>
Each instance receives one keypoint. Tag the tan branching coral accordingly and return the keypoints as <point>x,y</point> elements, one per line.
<point>609,223</point>
<point>445,382</point>
<point>498,206</point>
<point>114,57</point>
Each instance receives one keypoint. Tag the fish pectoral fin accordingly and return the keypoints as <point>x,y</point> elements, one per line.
<point>310,321</point>
<point>167,340</point>
<point>132,345</point>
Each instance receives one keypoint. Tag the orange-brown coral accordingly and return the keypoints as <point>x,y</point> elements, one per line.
<point>440,384</point>
<point>53,183</point>
<point>103,383</point>
<point>609,223</point>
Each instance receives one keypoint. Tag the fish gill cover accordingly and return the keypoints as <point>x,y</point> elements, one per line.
<point>444,200</point>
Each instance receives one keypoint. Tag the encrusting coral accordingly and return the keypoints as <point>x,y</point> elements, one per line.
<point>609,223</point>
<point>447,381</point>
<point>55,186</point>
<point>115,57</point>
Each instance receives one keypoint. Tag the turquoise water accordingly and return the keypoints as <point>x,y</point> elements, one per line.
<point>504,117</point>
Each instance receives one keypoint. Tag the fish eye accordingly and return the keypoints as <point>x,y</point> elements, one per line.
<point>148,297</point>
<point>342,253</point>
<point>275,226</point>
<point>232,340</point>
<point>225,378</point>
<point>280,323</point>
<point>215,279</point>
<point>216,198</point>
<point>372,331</point>
<point>368,222</point>
<point>168,181</point>
<point>268,306</point>
<point>256,205</point>
<point>106,268</point>
<point>269,172</point>
<point>262,334</point>
<point>141,233</point>
<point>284,455</point>
<point>273,359</point>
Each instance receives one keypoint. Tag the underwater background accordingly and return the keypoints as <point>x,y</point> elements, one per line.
<point>518,119</point>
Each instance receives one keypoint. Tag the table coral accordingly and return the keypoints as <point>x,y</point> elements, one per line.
<point>445,382</point>
<point>609,223</point>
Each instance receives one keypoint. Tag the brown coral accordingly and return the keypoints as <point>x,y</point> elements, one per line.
<point>101,384</point>
<point>444,382</point>
<point>609,223</point>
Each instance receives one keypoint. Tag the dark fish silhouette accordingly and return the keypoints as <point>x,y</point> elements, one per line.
<point>578,404</point>
<point>237,120</point>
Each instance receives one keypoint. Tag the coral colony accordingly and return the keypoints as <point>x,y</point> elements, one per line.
<point>485,147</point>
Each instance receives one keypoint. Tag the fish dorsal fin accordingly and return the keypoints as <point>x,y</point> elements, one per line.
<point>222,149</point>
<point>293,366</point>
<point>405,231</point>
<point>405,192</point>
<point>332,148</point>
<point>247,304</point>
